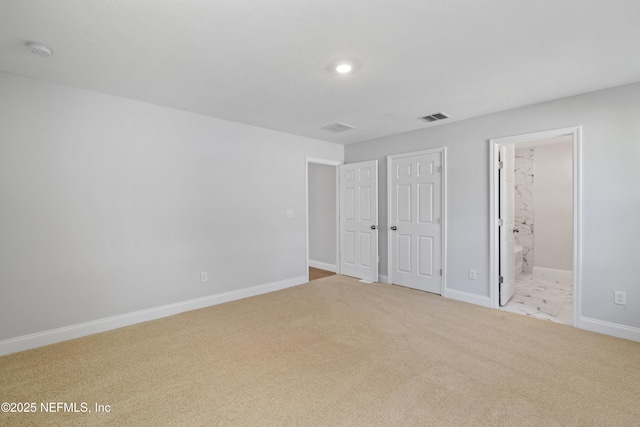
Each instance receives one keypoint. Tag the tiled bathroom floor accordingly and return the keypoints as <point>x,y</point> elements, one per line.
<point>543,297</point>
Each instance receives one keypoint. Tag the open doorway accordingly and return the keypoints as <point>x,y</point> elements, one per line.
<point>322,218</point>
<point>535,224</point>
<point>342,218</point>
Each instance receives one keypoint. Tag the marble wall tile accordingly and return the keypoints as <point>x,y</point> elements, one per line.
<point>524,212</point>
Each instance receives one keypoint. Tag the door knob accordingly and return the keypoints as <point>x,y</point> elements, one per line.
<point>373,227</point>
<point>394,228</point>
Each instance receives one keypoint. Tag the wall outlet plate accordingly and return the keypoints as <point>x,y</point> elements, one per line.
<point>620,298</point>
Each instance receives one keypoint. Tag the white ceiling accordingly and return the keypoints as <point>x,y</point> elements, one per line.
<point>269,63</point>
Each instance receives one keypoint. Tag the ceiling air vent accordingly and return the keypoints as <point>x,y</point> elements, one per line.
<point>434,117</point>
<point>337,127</point>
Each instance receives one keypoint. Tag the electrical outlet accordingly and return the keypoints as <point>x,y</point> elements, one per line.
<point>289,213</point>
<point>620,298</point>
<point>473,274</point>
<point>204,277</point>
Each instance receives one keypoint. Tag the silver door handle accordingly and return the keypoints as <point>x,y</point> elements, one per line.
<point>394,228</point>
<point>373,227</point>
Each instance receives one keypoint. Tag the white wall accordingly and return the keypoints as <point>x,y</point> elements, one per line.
<point>610,203</point>
<point>322,214</point>
<point>109,206</point>
<point>553,205</point>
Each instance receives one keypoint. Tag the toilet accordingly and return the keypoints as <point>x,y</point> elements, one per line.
<point>517,259</point>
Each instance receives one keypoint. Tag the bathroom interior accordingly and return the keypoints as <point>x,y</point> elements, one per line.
<point>543,230</point>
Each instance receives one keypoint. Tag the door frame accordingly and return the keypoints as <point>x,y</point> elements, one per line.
<point>494,147</point>
<point>506,177</point>
<point>443,192</point>
<point>337,184</point>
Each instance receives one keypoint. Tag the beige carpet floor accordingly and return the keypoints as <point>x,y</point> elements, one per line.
<point>334,352</point>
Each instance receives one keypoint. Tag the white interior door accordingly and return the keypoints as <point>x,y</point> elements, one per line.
<point>506,222</point>
<point>359,220</point>
<point>415,220</point>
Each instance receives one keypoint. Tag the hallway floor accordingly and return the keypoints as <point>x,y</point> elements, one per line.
<point>543,297</point>
<point>316,273</point>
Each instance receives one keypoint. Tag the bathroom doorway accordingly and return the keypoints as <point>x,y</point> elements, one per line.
<point>535,211</point>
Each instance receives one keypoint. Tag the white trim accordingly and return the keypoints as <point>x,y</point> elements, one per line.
<point>337,219</point>
<point>323,161</point>
<point>444,219</point>
<point>608,328</point>
<point>577,224</point>
<point>306,195</point>
<point>322,265</point>
<point>38,339</point>
<point>553,272</point>
<point>476,299</point>
<point>443,192</point>
<point>529,137</point>
<point>494,146</point>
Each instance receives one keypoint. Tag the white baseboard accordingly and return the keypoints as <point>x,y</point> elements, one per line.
<point>481,300</point>
<point>608,328</point>
<point>323,266</point>
<point>38,339</point>
<point>552,272</point>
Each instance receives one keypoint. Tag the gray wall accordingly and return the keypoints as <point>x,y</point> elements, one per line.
<point>322,213</point>
<point>553,206</point>
<point>611,205</point>
<point>110,206</point>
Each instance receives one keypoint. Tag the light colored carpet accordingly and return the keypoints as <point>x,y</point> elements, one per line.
<point>334,352</point>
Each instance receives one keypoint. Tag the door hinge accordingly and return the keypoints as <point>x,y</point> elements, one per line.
<point>500,222</point>
<point>500,279</point>
<point>439,220</point>
<point>441,272</point>
<point>439,169</point>
<point>500,164</point>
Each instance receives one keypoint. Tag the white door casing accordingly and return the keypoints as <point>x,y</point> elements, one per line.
<point>416,213</point>
<point>337,213</point>
<point>494,245</point>
<point>359,220</point>
<point>506,222</point>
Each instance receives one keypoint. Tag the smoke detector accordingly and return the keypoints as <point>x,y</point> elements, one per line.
<point>337,127</point>
<point>40,49</point>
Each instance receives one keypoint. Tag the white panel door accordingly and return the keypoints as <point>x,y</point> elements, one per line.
<point>507,218</point>
<point>359,220</point>
<point>416,221</point>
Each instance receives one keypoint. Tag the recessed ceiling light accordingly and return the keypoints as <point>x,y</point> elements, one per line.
<point>343,68</point>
